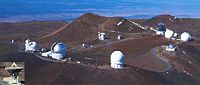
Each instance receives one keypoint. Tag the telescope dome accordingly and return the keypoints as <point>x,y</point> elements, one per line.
<point>185,36</point>
<point>59,47</point>
<point>161,27</point>
<point>169,34</point>
<point>117,59</point>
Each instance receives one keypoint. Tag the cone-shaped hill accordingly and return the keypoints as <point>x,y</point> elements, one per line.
<point>86,27</point>
<point>82,29</point>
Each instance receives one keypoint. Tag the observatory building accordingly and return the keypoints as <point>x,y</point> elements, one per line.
<point>30,46</point>
<point>175,35</point>
<point>101,35</point>
<point>117,60</point>
<point>58,51</point>
<point>169,34</point>
<point>160,29</point>
<point>171,47</point>
<point>12,41</point>
<point>120,22</point>
<point>185,36</point>
<point>14,74</point>
<point>119,37</point>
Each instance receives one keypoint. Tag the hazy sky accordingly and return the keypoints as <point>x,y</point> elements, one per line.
<point>70,9</point>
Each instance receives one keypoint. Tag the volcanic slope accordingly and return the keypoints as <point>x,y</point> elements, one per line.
<point>86,27</point>
<point>82,29</point>
<point>41,72</point>
<point>22,30</point>
<point>134,50</point>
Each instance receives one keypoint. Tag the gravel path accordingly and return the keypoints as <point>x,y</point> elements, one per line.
<point>162,60</point>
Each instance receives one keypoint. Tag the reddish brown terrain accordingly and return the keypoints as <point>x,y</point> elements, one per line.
<point>147,62</point>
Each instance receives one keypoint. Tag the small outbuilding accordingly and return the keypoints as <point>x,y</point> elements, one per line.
<point>12,41</point>
<point>101,35</point>
<point>175,35</point>
<point>120,37</point>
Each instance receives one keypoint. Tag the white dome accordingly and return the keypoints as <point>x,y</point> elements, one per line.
<point>59,48</point>
<point>117,59</point>
<point>185,36</point>
<point>171,46</point>
<point>169,33</point>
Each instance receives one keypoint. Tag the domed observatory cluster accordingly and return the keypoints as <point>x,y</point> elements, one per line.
<point>185,37</point>
<point>171,47</point>
<point>169,34</point>
<point>58,51</point>
<point>31,46</point>
<point>160,29</point>
<point>117,60</point>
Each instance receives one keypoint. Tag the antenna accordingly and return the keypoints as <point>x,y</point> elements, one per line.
<point>14,74</point>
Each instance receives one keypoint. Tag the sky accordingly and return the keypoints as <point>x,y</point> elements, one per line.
<point>28,10</point>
